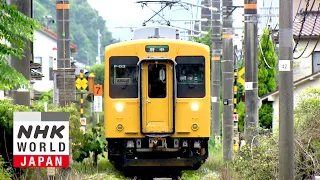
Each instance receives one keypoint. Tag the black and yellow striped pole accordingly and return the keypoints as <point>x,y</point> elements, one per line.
<point>81,84</point>
<point>81,96</point>
<point>235,102</point>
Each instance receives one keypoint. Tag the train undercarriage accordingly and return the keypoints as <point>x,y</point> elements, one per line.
<point>180,153</point>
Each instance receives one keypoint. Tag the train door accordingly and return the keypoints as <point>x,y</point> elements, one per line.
<point>157,94</point>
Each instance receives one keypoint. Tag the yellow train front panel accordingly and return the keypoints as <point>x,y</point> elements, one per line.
<point>123,110</point>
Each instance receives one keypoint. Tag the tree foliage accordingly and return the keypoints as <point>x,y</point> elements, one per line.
<point>98,70</point>
<point>267,77</point>
<point>84,23</point>
<point>204,39</point>
<point>267,59</point>
<point>15,30</point>
<point>267,81</point>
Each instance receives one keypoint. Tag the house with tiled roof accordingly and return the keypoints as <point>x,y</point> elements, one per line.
<point>44,42</point>
<point>306,62</point>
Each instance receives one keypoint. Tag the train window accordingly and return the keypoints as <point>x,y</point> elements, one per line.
<point>123,77</point>
<point>190,76</point>
<point>157,86</point>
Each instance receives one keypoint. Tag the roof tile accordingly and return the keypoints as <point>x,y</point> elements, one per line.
<point>308,24</point>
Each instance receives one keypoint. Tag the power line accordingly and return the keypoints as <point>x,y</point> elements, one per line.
<point>297,11</point>
<point>307,9</point>
<point>301,28</point>
<point>314,25</point>
<point>314,48</point>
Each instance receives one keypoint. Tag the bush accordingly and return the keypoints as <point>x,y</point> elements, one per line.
<point>6,129</point>
<point>257,162</point>
<point>4,173</point>
<point>307,140</point>
<point>261,161</point>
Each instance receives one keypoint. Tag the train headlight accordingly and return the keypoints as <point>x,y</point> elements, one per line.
<point>194,107</point>
<point>119,107</point>
<point>119,127</point>
<point>195,127</point>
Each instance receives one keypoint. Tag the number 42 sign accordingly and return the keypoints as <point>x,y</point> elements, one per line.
<point>98,98</point>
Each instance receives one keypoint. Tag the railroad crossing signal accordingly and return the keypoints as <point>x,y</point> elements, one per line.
<point>81,83</point>
<point>240,73</point>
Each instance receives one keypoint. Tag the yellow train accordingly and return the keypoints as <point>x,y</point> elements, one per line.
<point>157,103</point>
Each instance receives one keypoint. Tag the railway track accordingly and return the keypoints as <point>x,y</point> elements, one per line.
<point>160,178</point>
<point>153,174</point>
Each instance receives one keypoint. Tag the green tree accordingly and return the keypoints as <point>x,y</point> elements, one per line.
<point>98,70</point>
<point>267,81</point>
<point>15,29</point>
<point>204,39</point>
<point>267,76</point>
<point>267,59</point>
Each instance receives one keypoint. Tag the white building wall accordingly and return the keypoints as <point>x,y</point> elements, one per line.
<point>42,47</point>
<point>303,66</point>
<point>298,91</point>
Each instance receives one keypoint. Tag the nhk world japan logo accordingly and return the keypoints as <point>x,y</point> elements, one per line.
<point>40,139</point>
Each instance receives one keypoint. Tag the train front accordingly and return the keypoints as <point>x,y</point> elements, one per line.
<point>157,103</point>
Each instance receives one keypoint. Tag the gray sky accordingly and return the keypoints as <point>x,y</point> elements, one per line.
<point>127,13</point>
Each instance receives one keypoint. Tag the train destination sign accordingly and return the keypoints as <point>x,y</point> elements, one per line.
<point>157,48</point>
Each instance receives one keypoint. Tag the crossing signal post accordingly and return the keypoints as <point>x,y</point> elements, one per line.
<point>90,96</point>
<point>82,84</point>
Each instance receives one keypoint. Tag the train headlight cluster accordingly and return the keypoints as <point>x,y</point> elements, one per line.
<point>194,107</point>
<point>119,107</point>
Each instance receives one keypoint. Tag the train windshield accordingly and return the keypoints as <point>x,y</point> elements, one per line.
<point>124,74</point>
<point>190,76</point>
<point>123,77</point>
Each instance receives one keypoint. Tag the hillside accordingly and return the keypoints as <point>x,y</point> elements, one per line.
<point>85,21</point>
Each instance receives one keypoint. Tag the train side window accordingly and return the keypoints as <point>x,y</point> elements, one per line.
<point>190,76</point>
<point>123,77</point>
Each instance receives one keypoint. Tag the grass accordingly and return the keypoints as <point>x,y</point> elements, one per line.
<point>213,169</point>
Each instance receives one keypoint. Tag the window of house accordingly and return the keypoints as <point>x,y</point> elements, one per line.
<point>50,68</point>
<point>315,61</point>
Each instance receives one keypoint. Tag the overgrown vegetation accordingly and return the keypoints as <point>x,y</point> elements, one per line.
<point>261,162</point>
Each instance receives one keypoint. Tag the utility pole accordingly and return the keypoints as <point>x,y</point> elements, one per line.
<point>215,69</point>
<point>251,67</point>
<point>286,159</point>
<point>99,47</point>
<point>228,78</point>
<point>65,75</point>
<point>21,96</point>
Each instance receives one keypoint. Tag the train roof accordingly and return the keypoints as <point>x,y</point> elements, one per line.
<point>161,41</point>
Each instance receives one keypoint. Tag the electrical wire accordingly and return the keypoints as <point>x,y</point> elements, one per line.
<point>268,18</point>
<point>314,48</point>
<point>301,27</point>
<point>314,25</point>
<point>267,46</point>
<point>297,11</point>
<point>306,9</point>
